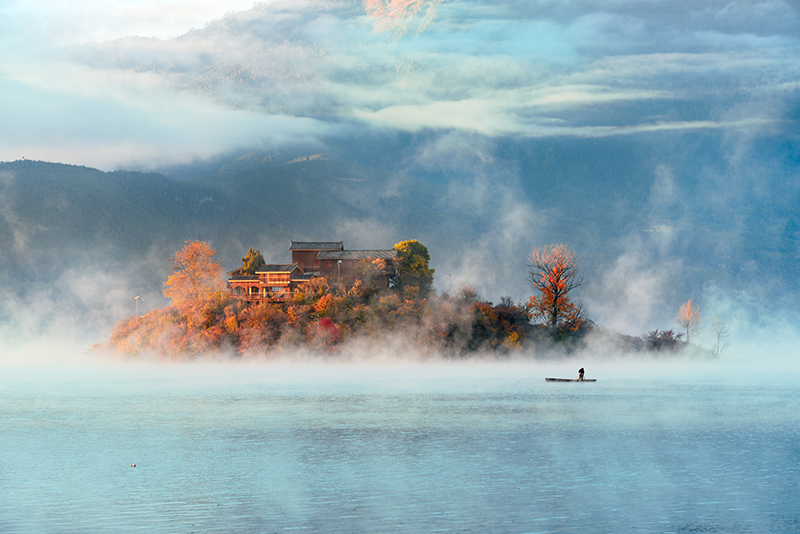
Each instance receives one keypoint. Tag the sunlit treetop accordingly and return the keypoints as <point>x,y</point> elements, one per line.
<point>252,261</point>
<point>689,318</point>
<point>412,269</point>
<point>195,274</point>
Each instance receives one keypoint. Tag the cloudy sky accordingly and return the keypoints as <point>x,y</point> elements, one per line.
<point>146,83</point>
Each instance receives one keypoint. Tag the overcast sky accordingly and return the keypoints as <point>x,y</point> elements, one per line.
<point>146,83</point>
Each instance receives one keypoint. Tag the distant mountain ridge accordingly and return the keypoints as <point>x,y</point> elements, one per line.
<point>60,205</point>
<point>59,210</point>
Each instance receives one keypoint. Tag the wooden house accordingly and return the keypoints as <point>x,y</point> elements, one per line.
<point>305,253</point>
<point>278,282</point>
<point>342,265</point>
<point>272,282</point>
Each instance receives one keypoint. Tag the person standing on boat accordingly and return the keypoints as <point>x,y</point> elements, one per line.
<point>580,373</point>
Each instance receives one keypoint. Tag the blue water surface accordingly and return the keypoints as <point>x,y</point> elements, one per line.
<point>493,448</point>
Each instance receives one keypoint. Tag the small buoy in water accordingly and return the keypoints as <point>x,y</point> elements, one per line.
<point>133,465</point>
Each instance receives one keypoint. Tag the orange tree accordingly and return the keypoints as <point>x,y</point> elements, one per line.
<point>689,318</point>
<point>553,271</point>
<point>195,274</point>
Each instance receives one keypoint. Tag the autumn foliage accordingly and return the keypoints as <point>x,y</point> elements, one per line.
<point>321,323</point>
<point>689,318</point>
<point>321,317</point>
<point>195,274</point>
<point>554,274</point>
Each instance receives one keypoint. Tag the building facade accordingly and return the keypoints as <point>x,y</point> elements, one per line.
<point>305,253</point>
<point>272,282</point>
<point>329,259</point>
<point>343,265</point>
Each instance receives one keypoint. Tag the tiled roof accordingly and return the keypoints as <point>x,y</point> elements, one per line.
<point>357,254</point>
<point>317,245</point>
<point>277,268</point>
<point>240,277</point>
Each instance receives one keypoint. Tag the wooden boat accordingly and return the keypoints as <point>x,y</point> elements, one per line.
<point>570,380</point>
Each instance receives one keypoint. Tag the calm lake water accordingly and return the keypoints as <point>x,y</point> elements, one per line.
<point>424,448</point>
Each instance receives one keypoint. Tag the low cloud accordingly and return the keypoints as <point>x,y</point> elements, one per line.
<point>68,23</point>
<point>136,123</point>
<point>630,295</point>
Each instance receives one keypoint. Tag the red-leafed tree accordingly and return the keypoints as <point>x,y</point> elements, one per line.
<point>553,271</point>
<point>195,274</point>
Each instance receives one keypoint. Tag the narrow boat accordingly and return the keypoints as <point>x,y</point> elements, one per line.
<point>570,380</point>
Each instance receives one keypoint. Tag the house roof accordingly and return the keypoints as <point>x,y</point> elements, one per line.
<point>277,268</point>
<point>317,245</point>
<point>357,254</point>
<point>240,277</point>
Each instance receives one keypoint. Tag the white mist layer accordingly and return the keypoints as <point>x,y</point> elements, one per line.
<point>65,362</point>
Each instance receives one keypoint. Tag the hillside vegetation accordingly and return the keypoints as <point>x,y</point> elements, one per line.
<point>329,317</point>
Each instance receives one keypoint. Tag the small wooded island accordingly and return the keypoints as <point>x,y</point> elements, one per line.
<point>328,296</point>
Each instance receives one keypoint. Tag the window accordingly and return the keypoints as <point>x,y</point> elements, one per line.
<point>278,278</point>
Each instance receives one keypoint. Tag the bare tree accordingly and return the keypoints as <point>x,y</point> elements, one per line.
<point>689,318</point>
<point>468,292</point>
<point>721,333</point>
<point>553,271</point>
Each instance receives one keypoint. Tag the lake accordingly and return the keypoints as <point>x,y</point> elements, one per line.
<point>423,447</point>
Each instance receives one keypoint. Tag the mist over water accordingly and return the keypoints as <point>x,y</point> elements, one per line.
<point>395,446</point>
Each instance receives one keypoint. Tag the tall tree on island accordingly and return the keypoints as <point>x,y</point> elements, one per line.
<point>195,274</point>
<point>252,261</point>
<point>412,267</point>
<point>689,318</point>
<point>553,271</point>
